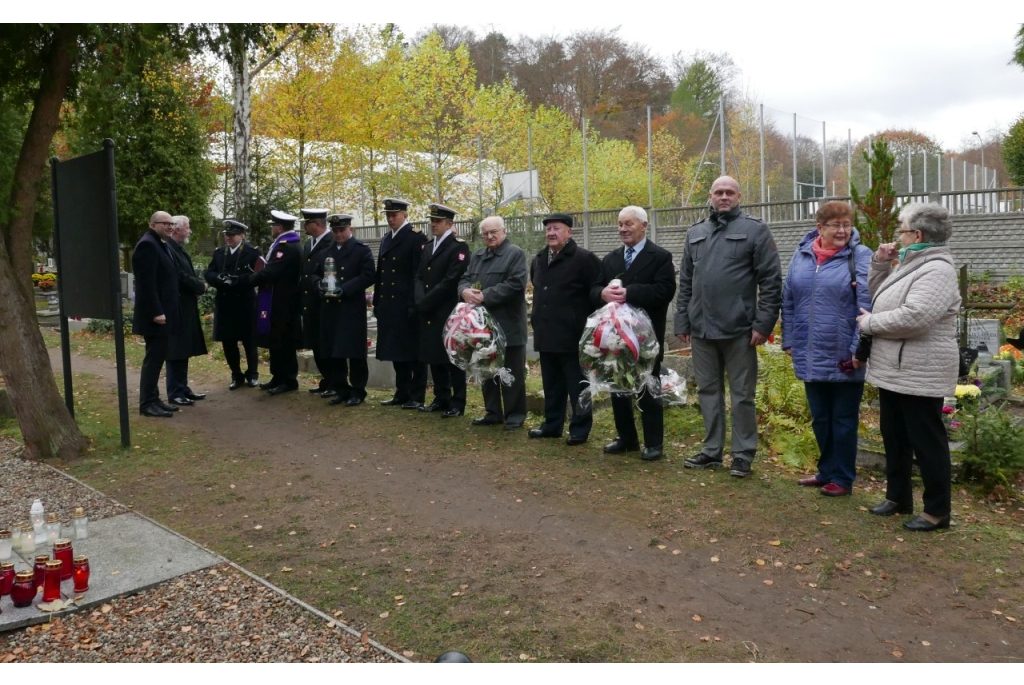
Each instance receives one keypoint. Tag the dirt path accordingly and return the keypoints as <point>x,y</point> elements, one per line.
<point>576,568</point>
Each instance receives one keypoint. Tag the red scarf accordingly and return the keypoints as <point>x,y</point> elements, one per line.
<point>821,252</point>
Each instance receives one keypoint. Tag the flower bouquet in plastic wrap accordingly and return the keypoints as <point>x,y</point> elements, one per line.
<point>618,350</point>
<point>673,388</point>
<point>476,344</point>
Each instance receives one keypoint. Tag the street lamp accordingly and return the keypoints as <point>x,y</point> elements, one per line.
<point>984,180</point>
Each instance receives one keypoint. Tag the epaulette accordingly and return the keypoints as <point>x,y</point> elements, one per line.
<point>459,240</point>
<point>415,229</point>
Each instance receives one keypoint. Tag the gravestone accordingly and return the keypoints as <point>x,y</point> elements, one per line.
<point>984,330</point>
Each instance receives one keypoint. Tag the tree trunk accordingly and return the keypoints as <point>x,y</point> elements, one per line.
<point>302,172</point>
<point>242,124</point>
<point>46,425</point>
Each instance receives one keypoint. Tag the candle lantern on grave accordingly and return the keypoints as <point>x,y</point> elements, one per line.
<point>330,287</point>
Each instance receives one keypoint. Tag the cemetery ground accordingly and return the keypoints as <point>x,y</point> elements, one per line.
<point>433,535</point>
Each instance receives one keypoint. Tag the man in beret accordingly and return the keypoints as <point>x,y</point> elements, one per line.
<point>445,259</point>
<point>234,306</point>
<point>563,274</point>
<point>314,222</point>
<point>397,337</point>
<point>278,321</point>
<point>343,311</point>
<point>190,342</point>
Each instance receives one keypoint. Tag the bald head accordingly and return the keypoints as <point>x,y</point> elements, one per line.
<point>162,223</point>
<point>725,194</point>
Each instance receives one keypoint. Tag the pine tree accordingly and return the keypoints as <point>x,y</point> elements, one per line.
<point>876,214</point>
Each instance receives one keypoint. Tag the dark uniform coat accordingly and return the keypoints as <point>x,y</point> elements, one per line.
<point>393,303</point>
<point>310,295</point>
<point>343,322</point>
<point>234,307</point>
<point>650,283</point>
<point>156,287</point>
<point>278,324</point>
<point>436,293</point>
<point>190,342</point>
<point>561,297</point>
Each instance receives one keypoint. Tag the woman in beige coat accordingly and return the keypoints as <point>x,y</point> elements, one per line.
<point>914,359</point>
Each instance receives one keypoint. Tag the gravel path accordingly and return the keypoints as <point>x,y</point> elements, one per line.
<point>213,615</point>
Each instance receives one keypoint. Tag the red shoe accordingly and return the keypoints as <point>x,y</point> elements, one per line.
<point>811,482</point>
<point>833,490</point>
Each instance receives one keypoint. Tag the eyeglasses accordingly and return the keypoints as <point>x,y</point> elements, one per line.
<point>836,227</point>
<point>907,230</point>
<point>163,223</point>
<point>489,234</point>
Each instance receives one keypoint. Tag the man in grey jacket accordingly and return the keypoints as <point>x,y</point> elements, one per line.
<point>496,278</point>
<point>730,292</point>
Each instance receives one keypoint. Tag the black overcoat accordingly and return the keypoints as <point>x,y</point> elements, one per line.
<point>280,281</point>
<point>190,342</point>
<point>234,307</point>
<point>650,283</point>
<point>561,297</point>
<point>393,300</point>
<point>156,287</point>
<point>310,295</point>
<point>436,293</point>
<point>343,322</point>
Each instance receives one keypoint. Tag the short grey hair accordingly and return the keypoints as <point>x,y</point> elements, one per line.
<point>180,220</point>
<point>493,220</point>
<point>638,212</point>
<point>931,219</point>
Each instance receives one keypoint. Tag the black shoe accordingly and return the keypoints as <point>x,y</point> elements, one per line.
<point>739,468</point>
<point>452,413</point>
<point>541,433</point>
<point>195,396</point>
<point>327,394</point>
<point>702,461</point>
<point>486,421</point>
<point>253,382</point>
<point>155,412</point>
<point>337,399</point>
<point>166,407</point>
<point>279,389</point>
<point>182,401</point>
<point>652,453</point>
<point>888,508</point>
<point>268,385</point>
<point>317,389</point>
<point>618,446</point>
<point>412,404</point>
<point>393,402</point>
<point>237,383</point>
<point>575,440</point>
<point>433,406</point>
<point>513,426</point>
<point>353,401</point>
<point>919,524</point>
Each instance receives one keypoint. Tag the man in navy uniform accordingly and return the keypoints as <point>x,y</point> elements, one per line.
<point>314,221</point>
<point>278,324</point>
<point>445,259</point>
<point>234,307</point>
<point>156,315</point>
<point>398,258</point>
<point>343,315</point>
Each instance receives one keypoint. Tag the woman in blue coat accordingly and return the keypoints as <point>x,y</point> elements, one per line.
<point>825,287</point>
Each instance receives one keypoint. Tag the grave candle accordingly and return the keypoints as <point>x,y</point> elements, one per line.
<point>6,577</point>
<point>51,584</point>
<point>62,550</point>
<point>81,573</point>
<point>24,590</point>
<point>40,569</point>
<point>5,544</point>
<point>52,528</point>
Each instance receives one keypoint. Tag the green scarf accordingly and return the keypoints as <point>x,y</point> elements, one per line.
<point>915,247</point>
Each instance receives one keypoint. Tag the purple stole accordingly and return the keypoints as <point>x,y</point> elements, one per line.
<point>265,296</point>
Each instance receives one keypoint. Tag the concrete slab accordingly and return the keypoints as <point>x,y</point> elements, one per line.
<point>126,554</point>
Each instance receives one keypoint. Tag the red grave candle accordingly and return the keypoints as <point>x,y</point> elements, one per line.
<point>40,569</point>
<point>6,577</point>
<point>62,550</point>
<point>51,584</point>
<point>81,574</point>
<point>24,590</point>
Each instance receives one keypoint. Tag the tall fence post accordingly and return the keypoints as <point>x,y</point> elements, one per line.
<point>721,131</point>
<point>795,193</point>
<point>586,192</point>
<point>849,162</point>
<point>763,181</point>
<point>650,163</point>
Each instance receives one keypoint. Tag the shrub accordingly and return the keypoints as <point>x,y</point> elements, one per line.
<point>782,412</point>
<point>993,445</point>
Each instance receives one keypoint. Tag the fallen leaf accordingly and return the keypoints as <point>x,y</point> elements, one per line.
<point>897,653</point>
<point>364,638</point>
<point>926,643</point>
<point>351,525</point>
<point>997,612</point>
<point>714,560</point>
<point>408,654</point>
<point>232,486</point>
<point>257,527</point>
<point>639,626</point>
<point>106,609</point>
<point>769,582</point>
<point>287,570</point>
<point>456,594</point>
<point>705,638</point>
<point>713,540</point>
<point>1011,619</point>
<point>812,584</point>
<point>826,523</point>
<point>775,543</point>
<point>305,651</point>
<point>677,551</point>
<point>186,629</point>
<point>697,618</point>
<point>399,597</point>
<point>661,546</point>
<point>524,657</point>
<point>339,612</point>
<point>760,562</point>
<point>385,614</point>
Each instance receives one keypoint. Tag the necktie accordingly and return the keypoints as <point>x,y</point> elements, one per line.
<point>629,256</point>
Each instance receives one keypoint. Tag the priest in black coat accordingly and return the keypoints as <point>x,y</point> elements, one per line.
<point>190,342</point>
<point>393,304</point>
<point>343,316</point>
<point>318,240</point>
<point>234,307</point>
<point>445,259</point>
<point>648,281</point>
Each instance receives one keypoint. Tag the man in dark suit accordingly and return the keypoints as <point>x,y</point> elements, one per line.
<point>278,321</point>
<point>234,307</point>
<point>563,274</point>
<point>343,311</point>
<point>315,224</point>
<point>156,314</point>
<point>445,259</point>
<point>397,337</point>
<point>190,342</point>
<point>648,282</point>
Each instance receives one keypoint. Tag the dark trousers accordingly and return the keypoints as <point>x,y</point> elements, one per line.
<point>449,386</point>
<point>149,375</point>
<point>176,378</point>
<point>512,397</point>
<point>563,378</point>
<point>410,381</point>
<point>652,416</point>
<point>234,359</point>
<point>284,367</point>
<point>323,367</point>
<point>835,415</point>
<point>347,377</point>
<point>912,427</point>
